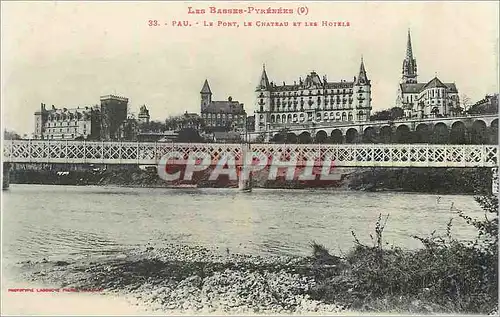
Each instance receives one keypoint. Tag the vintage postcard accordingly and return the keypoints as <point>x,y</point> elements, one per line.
<point>249,158</point>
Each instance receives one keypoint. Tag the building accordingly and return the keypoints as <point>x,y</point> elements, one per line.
<point>67,123</point>
<point>143,117</point>
<point>221,115</point>
<point>312,101</point>
<point>113,115</point>
<point>427,99</point>
<point>487,105</point>
<point>190,120</point>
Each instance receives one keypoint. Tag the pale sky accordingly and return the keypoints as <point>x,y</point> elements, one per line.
<point>68,54</point>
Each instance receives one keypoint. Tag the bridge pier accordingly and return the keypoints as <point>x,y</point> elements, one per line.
<point>495,181</point>
<point>5,176</point>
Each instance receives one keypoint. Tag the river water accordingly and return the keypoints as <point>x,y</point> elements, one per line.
<point>60,222</point>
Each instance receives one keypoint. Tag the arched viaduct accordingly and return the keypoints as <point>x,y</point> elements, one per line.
<point>454,130</point>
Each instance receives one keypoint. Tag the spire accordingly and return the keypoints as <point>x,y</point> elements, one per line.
<point>409,52</point>
<point>362,78</point>
<point>264,81</point>
<point>409,64</point>
<point>206,88</point>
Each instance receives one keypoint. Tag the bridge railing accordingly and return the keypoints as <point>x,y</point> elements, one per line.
<point>349,155</point>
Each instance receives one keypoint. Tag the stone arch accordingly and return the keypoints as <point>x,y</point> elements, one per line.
<point>457,133</point>
<point>289,118</point>
<point>321,136</point>
<point>494,123</point>
<point>440,133</point>
<point>337,136</point>
<point>385,134</point>
<point>403,134</point>
<point>349,116</point>
<point>422,133</point>
<point>478,132</point>
<point>369,135</point>
<point>494,131</point>
<point>291,137</point>
<point>304,138</point>
<point>283,118</point>
<point>272,118</point>
<point>278,119</point>
<point>344,116</point>
<point>278,138</point>
<point>351,136</point>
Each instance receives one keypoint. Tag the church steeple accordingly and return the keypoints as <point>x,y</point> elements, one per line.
<point>264,81</point>
<point>409,64</point>
<point>409,52</point>
<point>362,78</point>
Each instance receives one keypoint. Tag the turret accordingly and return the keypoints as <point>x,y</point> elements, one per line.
<point>264,81</point>
<point>263,101</point>
<point>362,95</point>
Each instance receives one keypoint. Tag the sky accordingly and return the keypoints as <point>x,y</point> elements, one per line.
<point>68,54</point>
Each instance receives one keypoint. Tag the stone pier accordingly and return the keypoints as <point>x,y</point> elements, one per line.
<point>5,175</point>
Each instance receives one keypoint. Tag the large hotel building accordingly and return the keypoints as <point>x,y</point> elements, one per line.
<point>311,101</point>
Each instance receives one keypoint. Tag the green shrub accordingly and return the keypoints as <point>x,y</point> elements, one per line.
<point>447,274</point>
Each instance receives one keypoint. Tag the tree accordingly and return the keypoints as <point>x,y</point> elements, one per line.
<point>189,135</point>
<point>465,102</point>
<point>390,114</point>
<point>11,135</point>
<point>152,126</point>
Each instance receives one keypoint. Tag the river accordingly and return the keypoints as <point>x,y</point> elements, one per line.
<point>61,222</point>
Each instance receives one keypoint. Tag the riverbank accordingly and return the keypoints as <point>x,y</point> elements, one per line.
<point>175,279</point>
<point>423,180</point>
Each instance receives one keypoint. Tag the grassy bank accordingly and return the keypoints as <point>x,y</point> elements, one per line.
<point>446,275</point>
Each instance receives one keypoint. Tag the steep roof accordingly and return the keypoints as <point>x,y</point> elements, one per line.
<point>362,78</point>
<point>412,88</point>
<point>264,81</point>
<point>206,88</point>
<point>434,83</point>
<point>451,87</point>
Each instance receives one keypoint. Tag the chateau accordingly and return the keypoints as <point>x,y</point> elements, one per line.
<point>423,100</point>
<point>312,101</point>
<point>104,122</point>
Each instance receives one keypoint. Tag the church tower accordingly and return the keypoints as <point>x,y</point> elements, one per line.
<point>206,96</point>
<point>409,65</point>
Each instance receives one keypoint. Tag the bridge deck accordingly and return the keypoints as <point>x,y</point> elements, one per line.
<point>348,155</point>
